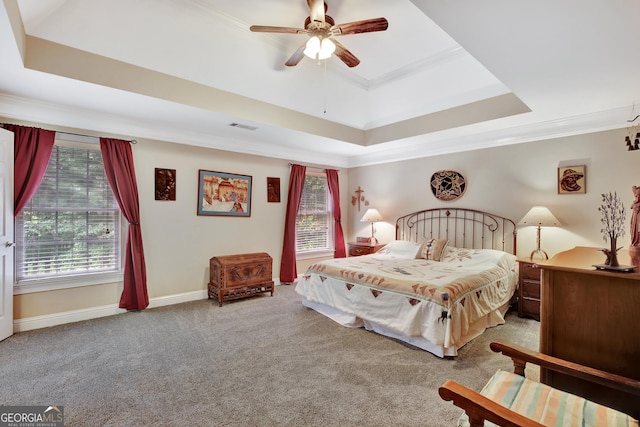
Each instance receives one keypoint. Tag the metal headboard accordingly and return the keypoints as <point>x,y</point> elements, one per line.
<point>464,228</point>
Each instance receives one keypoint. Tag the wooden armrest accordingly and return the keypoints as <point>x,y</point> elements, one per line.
<point>479,408</point>
<point>521,355</point>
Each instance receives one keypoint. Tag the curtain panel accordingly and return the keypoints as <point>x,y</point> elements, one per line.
<point>288,270</point>
<point>119,168</point>
<point>32,151</point>
<point>334,189</point>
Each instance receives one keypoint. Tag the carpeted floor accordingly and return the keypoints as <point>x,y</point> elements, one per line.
<point>264,361</point>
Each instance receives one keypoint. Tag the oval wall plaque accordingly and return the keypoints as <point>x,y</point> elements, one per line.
<point>447,185</point>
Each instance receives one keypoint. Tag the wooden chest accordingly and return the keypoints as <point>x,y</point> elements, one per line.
<point>239,276</point>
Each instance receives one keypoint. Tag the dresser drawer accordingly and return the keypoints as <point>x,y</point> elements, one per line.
<point>530,272</point>
<point>360,250</point>
<point>531,308</point>
<point>530,289</point>
<point>357,248</point>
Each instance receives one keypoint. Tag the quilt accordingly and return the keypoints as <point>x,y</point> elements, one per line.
<point>444,302</point>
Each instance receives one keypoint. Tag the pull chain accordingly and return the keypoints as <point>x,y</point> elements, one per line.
<point>325,86</point>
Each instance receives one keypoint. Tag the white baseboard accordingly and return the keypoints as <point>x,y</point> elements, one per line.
<point>37,322</point>
<point>177,299</point>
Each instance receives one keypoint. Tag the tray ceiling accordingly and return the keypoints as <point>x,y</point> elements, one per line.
<point>444,77</point>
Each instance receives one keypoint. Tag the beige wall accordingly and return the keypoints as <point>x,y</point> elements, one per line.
<point>509,181</point>
<point>178,243</point>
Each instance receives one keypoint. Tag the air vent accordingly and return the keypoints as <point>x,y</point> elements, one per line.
<point>245,127</point>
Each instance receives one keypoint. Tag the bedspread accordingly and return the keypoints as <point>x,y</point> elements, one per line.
<point>441,302</point>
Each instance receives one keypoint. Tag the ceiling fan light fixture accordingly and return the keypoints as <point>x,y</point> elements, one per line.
<point>321,29</point>
<point>313,47</point>
<point>327,47</point>
<point>317,48</point>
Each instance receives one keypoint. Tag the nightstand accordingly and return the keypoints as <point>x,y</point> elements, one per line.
<point>528,289</point>
<point>363,248</point>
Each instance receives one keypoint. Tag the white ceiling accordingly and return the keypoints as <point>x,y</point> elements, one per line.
<point>447,76</point>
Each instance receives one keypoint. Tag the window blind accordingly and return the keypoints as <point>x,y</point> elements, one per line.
<point>314,222</point>
<point>72,224</point>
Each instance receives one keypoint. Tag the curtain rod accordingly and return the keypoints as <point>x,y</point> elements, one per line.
<point>313,167</point>
<point>132,141</point>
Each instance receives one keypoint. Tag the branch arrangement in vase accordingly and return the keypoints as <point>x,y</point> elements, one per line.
<point>613,216</point>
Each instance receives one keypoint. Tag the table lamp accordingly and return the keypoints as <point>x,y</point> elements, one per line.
<point>539,216</point>
<point>372,216</point>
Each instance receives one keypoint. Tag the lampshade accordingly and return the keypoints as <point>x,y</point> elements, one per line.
<point>371,215</point>
<point>319,48</point>
<point>540,216</point>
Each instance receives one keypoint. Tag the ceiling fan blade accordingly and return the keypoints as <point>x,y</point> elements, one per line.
<point>317,10</point>
<point>269,29</point>
<point>296,57</point>
<point>344,55</point>
<point>364,26</point>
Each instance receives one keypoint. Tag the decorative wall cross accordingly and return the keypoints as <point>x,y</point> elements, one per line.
<point>359,198</point>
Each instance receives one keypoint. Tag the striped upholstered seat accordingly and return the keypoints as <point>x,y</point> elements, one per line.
<point>546,405</point>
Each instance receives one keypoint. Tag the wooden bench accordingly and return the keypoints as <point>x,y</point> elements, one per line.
<point>508,396</point>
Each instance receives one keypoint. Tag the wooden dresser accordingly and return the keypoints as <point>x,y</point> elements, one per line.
<point>591,317</point>
<point>240,276</point>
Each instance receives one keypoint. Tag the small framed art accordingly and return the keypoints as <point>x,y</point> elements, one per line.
<point>572,179</point>
<point>222,193</point>
<point>165,184</point>
<point>273,189</point>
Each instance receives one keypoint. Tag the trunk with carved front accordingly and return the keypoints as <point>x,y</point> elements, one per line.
<point>240,276</point>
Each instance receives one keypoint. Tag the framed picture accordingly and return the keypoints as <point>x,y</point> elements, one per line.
<point>165,184</point>
<point>221,193</point>
<point>273,189</point>
<point>572,179</point>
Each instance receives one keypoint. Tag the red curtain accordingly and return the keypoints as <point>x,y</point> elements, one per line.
<point>334,189</point>
<point>288,272</point>
<point>32,151</point>
<point>118,165</point>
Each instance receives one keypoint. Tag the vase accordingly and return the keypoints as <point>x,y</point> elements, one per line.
<point>613,254</point>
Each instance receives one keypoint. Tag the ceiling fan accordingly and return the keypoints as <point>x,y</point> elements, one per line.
<point>321,30</point>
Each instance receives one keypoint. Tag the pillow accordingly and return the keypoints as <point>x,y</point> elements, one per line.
<point>401,249</point>
<point>433,249</point>
<point>453,254</point>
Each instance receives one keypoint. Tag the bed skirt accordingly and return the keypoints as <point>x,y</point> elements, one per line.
<point>349,320</point>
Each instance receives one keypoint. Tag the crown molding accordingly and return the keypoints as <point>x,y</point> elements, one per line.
<point>428,145</point>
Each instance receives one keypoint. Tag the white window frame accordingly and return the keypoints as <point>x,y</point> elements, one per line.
<point>330,249</point>
<point>26,286</point>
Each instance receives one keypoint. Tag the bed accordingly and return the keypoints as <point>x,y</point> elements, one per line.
<point>448,275</point>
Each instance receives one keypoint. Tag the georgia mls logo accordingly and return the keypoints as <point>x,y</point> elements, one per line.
<point>55,409</point>
<point>31,416</point>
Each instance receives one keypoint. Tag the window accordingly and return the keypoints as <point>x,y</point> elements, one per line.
<point>71,228</point>
<point>314,222</point>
